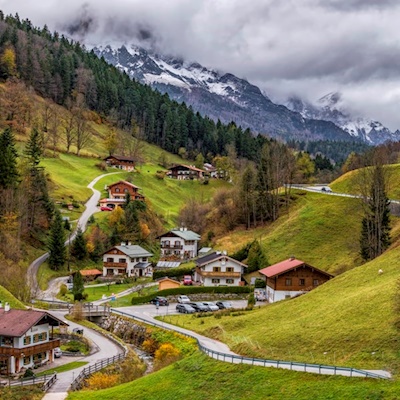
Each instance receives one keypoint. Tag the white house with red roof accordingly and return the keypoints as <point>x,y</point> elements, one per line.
<point>290,278</point>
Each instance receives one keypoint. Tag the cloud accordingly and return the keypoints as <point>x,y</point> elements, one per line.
<point>303,47</point>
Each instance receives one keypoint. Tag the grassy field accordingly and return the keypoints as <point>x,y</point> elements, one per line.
<point>201,378</point>
<point>348,321</point>
<point>7,297</point>
<point>63,368</point>
<point>320,230</point>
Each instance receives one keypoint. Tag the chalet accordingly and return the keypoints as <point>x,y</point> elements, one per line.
<point>217,269</point>
<point>184,172</point>
<point>180,243</point>
<point>117,192</point>
<point>211,170</point>
<point>120,162</point>
<point>127,260</point>
<point>290,278</point>
<point>25,339</point>
<point>168,283</point>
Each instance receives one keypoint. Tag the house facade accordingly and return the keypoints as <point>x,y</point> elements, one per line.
<point>290,278</point>
<point>120,162</point>
<point>26,339</point>
<point>118,190</point>
<point>217,269</point>
<point>179,243</point>
<point>127,260</point>
<point>184,172</point>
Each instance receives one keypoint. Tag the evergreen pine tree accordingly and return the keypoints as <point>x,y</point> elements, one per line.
<point>78,247</point>
<point>375,226</point>
<point>256,258</point>
<point>77,286</point>
<point>8,160</point>
<point>33,149</point>
<point>57,253</point>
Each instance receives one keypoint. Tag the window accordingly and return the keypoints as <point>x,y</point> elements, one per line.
<point>27,340</point>
<point>122,260</point>
<point>144,259</point>
<point>39,356</point>
<point>126,190</point>
<point>116,190</point>
<point>230,269</point>
<point>229,281</point>
<point>302,282</point>
<point>288,282</point>
<point>214,280</point>
<point>315,282</point>
<point>216,269</point>
<point>110,259</point>
<point>27,360</point>
<point>39,337</point>
<point>6,341</point>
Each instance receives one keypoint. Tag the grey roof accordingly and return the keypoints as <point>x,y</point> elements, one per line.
<point>215,256</point>
<point>133,250</point>
<point>205,250</point>
<point>184,234</point>
<point>168,264</point>
<point>142,265</point>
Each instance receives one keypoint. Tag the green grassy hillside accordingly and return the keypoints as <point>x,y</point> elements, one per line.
<point>7,297</point>
<point>201,378</point>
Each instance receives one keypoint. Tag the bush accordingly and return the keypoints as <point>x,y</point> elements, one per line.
<point>29,373</point>
<point>100,380</point>
<point>259,283</point>
<point>102,166</point>
<point>166,354</point>
<point>63,290</point>
<point>251,301</point>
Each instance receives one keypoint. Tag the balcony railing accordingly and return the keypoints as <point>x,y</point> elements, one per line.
<point>30,350</point>
<point>171,246</point>
<point>114,265</point>
<point>219,274</point>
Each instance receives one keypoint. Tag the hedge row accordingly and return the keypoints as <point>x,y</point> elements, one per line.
<point>173,272</point>
<point>193,290</point>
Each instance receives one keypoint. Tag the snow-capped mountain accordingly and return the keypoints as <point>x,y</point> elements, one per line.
<point>331,108</point>
<point>218,95</point>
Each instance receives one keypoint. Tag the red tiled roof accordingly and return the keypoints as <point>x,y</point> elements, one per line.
<point>281,267</point>
<point>90,272</point>
<point>15,322</point>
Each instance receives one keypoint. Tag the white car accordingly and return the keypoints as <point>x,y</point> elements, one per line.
<point>57,352</point>
<point>183,299</point>
<point>211,306</point>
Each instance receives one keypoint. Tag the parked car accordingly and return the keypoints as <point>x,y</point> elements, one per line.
<point>185,308</point>
<point>199,306</point>
<point>326,189</point>
<point>105,208</point>
<point>187,280</point>
<point>183,299</point>
<point>78,331</point>
<point>162,301</point>
<point>57,352</point>
<point>211,306</point>
<point>224,304</point>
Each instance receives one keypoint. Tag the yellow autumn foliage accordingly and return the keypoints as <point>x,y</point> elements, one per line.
<point>100,380</point>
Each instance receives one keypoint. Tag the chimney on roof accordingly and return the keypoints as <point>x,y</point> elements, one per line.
<point>123,243</point>
<point>7,307</point>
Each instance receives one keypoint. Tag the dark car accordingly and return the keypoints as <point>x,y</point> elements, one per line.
<point>198,306</point>
<point>78,331</point>
<point>224,304</point>
<point>161,301</point>
<point>185,308</point>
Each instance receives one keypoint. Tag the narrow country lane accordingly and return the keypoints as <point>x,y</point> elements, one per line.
<point>91,208</point>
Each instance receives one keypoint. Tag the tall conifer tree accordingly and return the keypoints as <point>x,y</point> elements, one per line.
<point>56,242</point>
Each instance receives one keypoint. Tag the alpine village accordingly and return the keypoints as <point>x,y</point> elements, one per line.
<point>150,251</point>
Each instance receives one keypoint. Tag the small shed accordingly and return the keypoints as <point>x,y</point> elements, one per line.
<point>168,283</point>
<point>90,274</point>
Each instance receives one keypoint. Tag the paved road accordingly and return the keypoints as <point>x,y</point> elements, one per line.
<point>91,208</point>
<point>103,348</point>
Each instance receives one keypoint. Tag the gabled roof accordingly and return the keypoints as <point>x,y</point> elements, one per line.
<point>184,234</point>
<point>217,255</point>
<point>131,250</point>
<point>285,266</point>
<point>142,265</point>
<point>165,278</point>
<point>16,323</point>
<point>120,158</point>
<point>192,168</point>
<point>90,272</point>
<point>125,182</point>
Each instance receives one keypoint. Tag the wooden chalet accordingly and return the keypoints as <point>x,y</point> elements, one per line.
<point>184,172</point>
<point>290,278</point>
<point>118,190</point>
<point>120,162</point>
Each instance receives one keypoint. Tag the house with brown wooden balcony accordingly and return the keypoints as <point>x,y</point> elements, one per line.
<point>179,243</point>
<point>26,339</point>
<point>217,269</point>
<point>117,194</point>
<point>185,172</point>
<point>127,260</point>
<point>291,278</point>
<point>121,162</point>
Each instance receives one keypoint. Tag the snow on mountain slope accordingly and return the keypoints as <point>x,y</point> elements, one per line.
<point>331,108</point>
<point>220,96</point>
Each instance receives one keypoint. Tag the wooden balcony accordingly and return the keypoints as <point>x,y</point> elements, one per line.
<point>31,350</point>
<point>220,274</point>
<point>114,265</point>
<point>172,246</point>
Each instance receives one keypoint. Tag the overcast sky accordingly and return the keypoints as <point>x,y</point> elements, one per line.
<point>303,47</point>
